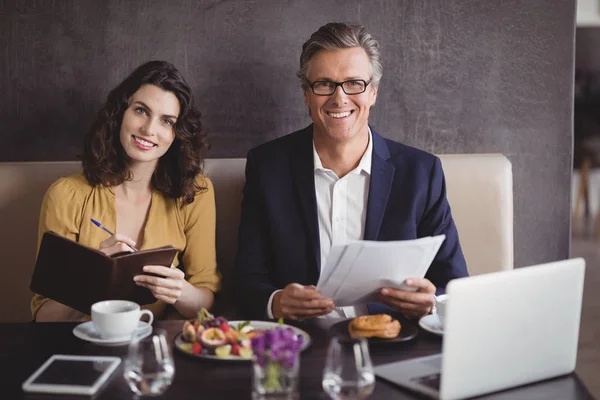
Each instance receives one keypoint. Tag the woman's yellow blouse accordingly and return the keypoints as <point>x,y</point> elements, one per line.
<point>71,202</point>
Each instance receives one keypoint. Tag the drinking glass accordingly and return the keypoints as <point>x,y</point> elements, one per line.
<point>149,366</point>
<point>348,372</point>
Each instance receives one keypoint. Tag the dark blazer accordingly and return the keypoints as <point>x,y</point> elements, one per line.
<point>278,239</point>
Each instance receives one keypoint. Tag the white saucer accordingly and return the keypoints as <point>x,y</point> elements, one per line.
<point>86,331</point>
<point>431,323</point>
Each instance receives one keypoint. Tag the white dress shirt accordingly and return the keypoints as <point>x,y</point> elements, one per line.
<point>342,212</point>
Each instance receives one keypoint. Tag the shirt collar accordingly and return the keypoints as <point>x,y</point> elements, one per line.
<point>363,165</point>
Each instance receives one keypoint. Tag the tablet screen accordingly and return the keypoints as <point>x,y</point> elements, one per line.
<point>72,372</point>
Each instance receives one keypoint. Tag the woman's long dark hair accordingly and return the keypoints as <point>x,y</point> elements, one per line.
<point>104,159</point>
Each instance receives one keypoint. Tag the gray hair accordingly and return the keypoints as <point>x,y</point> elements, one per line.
<point>335,36</point>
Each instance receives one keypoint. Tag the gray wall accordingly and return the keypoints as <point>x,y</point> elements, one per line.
<point>461,76</point>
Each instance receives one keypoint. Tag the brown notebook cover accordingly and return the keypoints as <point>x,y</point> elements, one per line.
<point>79,276</point>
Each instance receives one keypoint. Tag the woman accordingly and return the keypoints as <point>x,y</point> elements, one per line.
<point>142,178</point>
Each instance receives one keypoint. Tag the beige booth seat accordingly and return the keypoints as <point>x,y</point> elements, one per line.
<point>479,190</point>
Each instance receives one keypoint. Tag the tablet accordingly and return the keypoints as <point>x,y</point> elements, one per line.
<point>71,374</point>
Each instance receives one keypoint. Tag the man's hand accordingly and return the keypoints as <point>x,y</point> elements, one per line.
<point>411,304</point>
<point>299,302</point>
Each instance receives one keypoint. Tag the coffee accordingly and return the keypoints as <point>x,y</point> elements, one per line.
<point>122,309</point>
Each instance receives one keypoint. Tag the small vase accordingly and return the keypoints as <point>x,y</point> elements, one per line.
<point>275,380</point>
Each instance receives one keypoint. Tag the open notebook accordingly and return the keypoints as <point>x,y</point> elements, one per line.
<point>79,276</point>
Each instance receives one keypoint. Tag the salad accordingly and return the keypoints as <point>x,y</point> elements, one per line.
<point>214,336</point>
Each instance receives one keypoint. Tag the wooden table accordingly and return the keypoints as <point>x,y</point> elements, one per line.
<point>24,347</point>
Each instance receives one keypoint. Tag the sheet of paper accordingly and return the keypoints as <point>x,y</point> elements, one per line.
<point>335,271</point>
<point>364,267</point>
<point>332,261</point>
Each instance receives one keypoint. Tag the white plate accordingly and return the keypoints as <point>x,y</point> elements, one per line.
<point>86,331</point>
<point>261,325</point>
<point>431,323</point>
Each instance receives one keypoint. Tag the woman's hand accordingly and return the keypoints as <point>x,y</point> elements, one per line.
<point>117,243</point>
<point>168,287</point>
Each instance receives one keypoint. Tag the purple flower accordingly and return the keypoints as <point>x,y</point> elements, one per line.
<point>280,345</point>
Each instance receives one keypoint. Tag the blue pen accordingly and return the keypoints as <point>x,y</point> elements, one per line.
<point>99,225</point>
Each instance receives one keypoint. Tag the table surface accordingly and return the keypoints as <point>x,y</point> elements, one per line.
<point>24,347</point>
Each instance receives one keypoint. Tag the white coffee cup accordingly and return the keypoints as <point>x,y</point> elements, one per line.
<point>117,318</point>
<point>440,305</point>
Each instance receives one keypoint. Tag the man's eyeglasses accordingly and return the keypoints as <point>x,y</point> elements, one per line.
<point>327,88</point>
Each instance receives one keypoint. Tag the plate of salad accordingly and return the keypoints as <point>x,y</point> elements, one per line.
<point>210,337</point>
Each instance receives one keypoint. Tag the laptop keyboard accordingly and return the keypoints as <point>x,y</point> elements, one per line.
<point>432,381</point>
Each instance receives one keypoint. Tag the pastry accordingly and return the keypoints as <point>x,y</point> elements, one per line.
<point>379,325</point>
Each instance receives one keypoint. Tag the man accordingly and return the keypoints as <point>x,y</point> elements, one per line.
<point>334,181</point>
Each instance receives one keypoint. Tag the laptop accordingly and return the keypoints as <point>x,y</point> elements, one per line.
<point>502,330</point>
